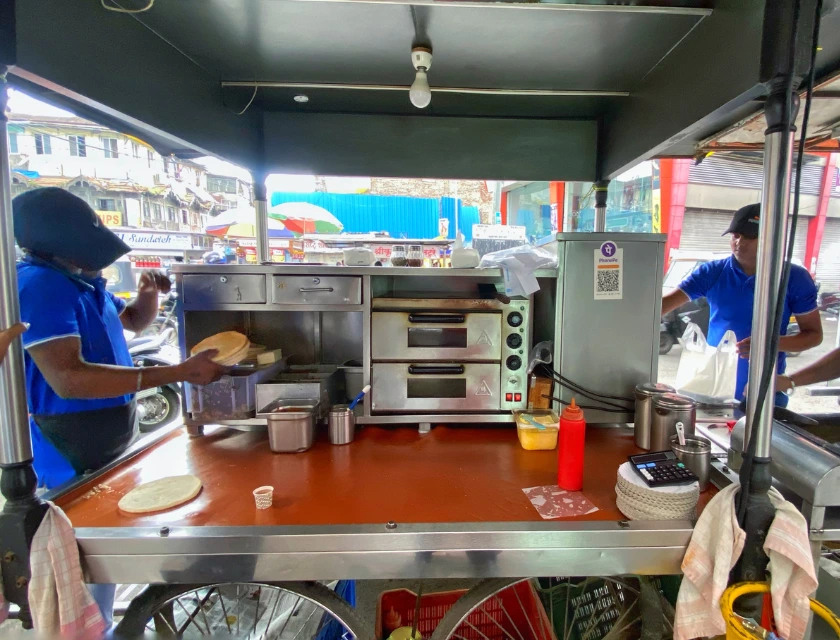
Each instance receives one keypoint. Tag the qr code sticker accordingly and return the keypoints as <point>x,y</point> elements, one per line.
<point>608,281</point>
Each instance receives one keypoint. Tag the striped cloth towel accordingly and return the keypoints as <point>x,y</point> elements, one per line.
<point>716,545</point>
<point>60,602</point>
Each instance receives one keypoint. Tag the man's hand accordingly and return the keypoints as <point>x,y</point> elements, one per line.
<point>153,282</point>
<point>783,384</point>
<point>200,369</point>
<point>744,348</point>
<point>7,335</point>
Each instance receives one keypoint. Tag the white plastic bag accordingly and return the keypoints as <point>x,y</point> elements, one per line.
<point>519,265</point>
<point>706,373</point>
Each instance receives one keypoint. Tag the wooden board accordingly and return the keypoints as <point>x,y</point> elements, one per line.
<point>453,474</point>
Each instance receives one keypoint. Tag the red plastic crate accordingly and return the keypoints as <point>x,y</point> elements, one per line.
<point>516,608</point>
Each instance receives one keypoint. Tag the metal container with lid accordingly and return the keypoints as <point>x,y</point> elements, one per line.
<point>644,396</point>
<point>667,410</point>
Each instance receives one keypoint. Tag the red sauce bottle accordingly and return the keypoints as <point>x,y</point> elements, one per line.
<point>570,448</point>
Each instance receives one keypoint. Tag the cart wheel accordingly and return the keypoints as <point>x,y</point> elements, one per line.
<point>571,609</point>
<point>243,610</point>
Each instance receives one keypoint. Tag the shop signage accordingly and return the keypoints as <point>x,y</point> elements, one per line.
<point>110,218</point>
<point>498,232</point>
<point>156,240</point>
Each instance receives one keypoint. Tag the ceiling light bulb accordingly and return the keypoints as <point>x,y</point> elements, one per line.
<point>420,93</point>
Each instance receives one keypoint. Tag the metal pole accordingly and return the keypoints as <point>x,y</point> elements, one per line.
<point>775,202</point>
<point>261,207</point>
<point>15,443</point>
<point>601,205</point>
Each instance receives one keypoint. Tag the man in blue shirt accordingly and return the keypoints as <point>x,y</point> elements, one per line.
<point>80,378</point>
<point>729,287</point>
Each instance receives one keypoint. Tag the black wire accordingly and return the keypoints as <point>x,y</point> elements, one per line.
<point>586,406</point>
<point>566,382</point>
<point>770,366</point>
<point>588,394</point>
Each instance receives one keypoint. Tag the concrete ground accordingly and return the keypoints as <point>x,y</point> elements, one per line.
<point>801,402</point>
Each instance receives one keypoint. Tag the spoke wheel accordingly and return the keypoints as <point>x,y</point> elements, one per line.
<point>287,611</point>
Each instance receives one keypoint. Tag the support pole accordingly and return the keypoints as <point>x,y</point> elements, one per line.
<point>261,207</point>
<point>601,205</point>
<point>22,512</point>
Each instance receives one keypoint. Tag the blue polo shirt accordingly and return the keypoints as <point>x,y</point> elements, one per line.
<point>57,305</point>
<point>730,294</point>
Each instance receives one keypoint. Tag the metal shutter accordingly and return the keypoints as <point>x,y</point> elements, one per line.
<point>702,232</point>
<point>828,263</point>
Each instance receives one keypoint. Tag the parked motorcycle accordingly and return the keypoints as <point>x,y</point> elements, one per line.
<point>829,302</point>
<point>673,326</point>
<point>156,407</point>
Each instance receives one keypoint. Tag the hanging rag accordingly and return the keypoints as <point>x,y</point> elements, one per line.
<point>716,545</point>
<point>59,600</point>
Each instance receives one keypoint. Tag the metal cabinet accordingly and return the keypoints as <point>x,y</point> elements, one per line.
<point>203,291</point>
<point>316,290</point>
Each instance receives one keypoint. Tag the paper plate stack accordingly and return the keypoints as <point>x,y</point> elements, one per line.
<point>232,347</point>
<point>638,501</point>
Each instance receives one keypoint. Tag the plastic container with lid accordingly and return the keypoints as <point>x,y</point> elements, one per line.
<point>415,256</point>
<point>570,448</point>
<point>537,430</point>
<point>398,257</point>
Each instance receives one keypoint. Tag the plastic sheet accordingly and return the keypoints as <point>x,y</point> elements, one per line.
<point>552,502</point>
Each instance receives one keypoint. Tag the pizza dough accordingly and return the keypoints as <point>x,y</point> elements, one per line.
<point>161,494</point>
<point>232,347</point>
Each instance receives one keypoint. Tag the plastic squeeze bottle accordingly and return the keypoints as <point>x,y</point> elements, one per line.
<point>570,449</point>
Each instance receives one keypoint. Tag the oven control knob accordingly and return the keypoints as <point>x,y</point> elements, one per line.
<point>514,341</point>
<point>513,362</point>
<point>515,319</point>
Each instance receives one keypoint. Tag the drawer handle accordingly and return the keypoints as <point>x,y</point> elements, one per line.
<point>437,318</point>
<point>316,289</point>
<point>435,369</point>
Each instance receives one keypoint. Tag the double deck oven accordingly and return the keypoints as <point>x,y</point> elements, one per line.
<point>449,355</point>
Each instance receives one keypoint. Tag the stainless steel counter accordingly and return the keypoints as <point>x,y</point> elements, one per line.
<point>318,270</point>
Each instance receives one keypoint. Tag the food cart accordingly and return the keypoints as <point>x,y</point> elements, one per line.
<point>523,91</point>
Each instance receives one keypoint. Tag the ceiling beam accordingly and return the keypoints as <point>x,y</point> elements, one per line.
<point>131,76</point>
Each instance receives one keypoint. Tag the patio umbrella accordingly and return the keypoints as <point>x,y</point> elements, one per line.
<point>303,217</point>
<point>242,223</point>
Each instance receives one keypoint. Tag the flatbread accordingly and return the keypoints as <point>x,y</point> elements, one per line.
<point>161,494</point>
<point>229,344</point>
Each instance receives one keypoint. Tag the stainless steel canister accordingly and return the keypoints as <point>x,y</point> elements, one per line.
<point>696,454</point>
<point>667,410</point>
<point>644,397</point>
<point>342,424</point>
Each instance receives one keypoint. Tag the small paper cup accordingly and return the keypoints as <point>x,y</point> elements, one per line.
<point>264,496</point>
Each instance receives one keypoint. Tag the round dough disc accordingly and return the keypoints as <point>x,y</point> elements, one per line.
<point>227,343</point>
<point>161,494</point>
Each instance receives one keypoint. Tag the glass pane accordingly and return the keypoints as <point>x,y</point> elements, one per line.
<point>437,387</point>
<point>454,338</point>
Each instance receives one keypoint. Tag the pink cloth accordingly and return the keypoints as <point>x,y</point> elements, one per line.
<point>60,602</point>
<point>716,545</point>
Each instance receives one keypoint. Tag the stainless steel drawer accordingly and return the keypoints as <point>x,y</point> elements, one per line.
<point>316,290</point>
<point>210,290</point>
<point>431,335</point>
<point>435,388</point>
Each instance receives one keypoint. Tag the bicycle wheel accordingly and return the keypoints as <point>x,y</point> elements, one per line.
<point>562,608</point>
<point>273,611</point>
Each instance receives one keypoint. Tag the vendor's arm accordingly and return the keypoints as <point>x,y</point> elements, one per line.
<point>695,286</point>
<point>144,308</point>
<point>7,335</point>
<point>65,370</point>
<point>826,368</point>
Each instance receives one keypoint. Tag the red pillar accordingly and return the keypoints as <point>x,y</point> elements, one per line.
<point>503,206</point>
<point>673,184</point>
<point>557,198</point>
<point>816,225</point>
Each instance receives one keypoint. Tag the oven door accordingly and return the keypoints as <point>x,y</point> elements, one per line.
<point>436,335</point>
<point>434,388</point>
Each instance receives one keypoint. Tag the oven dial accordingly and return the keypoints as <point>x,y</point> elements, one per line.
<point>515,319</point>
<point>514,341</point>
<point>513,362</point>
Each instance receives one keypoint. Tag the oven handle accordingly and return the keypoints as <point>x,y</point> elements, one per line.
<point>436,369</point>
<point>437,318</point>
<point>316,289</point>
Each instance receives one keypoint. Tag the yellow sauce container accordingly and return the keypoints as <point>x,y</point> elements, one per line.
<point>537,430</point>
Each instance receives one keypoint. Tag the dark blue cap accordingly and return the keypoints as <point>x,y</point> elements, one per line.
<point>745,221</point>
<point>52,222</point>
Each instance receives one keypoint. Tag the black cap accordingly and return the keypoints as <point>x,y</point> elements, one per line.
<point>53,222</point>
<point>745,221</point>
